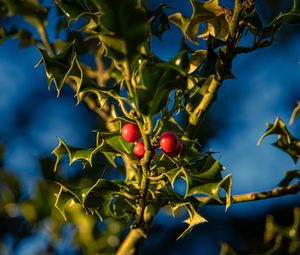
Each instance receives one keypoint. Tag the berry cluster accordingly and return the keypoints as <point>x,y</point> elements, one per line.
<point>169,142</point>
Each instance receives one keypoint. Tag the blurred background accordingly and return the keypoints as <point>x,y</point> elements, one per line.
<point>31,117</point>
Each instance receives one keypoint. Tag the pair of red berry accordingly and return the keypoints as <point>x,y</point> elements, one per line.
<point>169,142</point>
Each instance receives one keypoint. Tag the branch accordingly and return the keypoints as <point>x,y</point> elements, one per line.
<point>130,245</point>
<point>278,192</point>
<point>45,40</point>
<point>255,46</point>
<point>198,114</point>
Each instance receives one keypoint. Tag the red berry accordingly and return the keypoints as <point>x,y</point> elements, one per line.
<point>168,142</point>
<point>139,150</point>
<point>176,152</point>
<point>131,133</point>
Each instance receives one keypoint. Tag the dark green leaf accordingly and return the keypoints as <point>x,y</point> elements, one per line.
<point>289,177</point>
<point>194,218</point>
<point>159,23</point>
<point>212,189</point>
<point>285,140</point>
<point>155,84</point>
<point>103,198</point>
<point>74,153</point>
<point>116,141</point>
<point>31,10</point>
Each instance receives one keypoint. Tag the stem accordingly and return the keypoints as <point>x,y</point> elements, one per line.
<point>45,40</point>
<point>145,162</point>
<point>247,197</point>
<point>127,79</point>
<point>197,116</point>
<point>130,245</point>
<point>255,46</point>
<point>167,116</point>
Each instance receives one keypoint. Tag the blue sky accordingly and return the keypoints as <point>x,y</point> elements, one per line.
<point>267,85</point>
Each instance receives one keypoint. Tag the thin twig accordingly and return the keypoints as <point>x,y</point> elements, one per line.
<point>247,197</point>
<point>255,46</point>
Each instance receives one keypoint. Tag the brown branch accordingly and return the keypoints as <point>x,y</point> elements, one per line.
<point>255,46</point>
<point>248,197</point>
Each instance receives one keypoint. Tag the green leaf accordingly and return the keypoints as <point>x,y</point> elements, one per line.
<point>292,17</point>
<point>168,125</point>
<point>103,198</point>
<point>235,17</point>
<point>278,128</point>
<point>285,140</point>
<point>159,22</point>
<point>31,10</point>
<point>155,83</point>
<point>212,189</point>
<point>74,9</point>
<point>197,58</point>
<point>56,66</point>
<point>289,177</point>
<point>173,174</point>
<point>210,13</point>
<point>123,26</point>
<point>194,219</point>
<point>74,153</point>
<point>227,249</point>
<point>190,150</point>
<point>254,22</point>
<point>295,113</point>
<point>59,69</point>
<point>116,141</point>
<point>210,170</point>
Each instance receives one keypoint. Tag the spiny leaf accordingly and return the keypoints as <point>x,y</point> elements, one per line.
<point>194,219</point>
<point>74,153</point>
<point>213,189</point>
<point>159,22</point>
<point>197,59</point>
<point>58,69</point>
<point>295,113</point>
<point>104,198</point>
<point>173,174</point>
<point>170,124</point>
<point>285,140</point>
<point>74,9</point>
<point>209,12</point>
<point>155,82</point>
<point>293,17</point>
<point>209,171</point>
<point>254,22</point>
<point>31,10</point>
<point>289,177</point>
<point>277,128</point>
<point>116,141</point>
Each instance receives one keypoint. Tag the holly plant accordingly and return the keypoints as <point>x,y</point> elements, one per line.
<point>142,99</point>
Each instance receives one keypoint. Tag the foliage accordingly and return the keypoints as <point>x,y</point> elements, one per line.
<point>128,83</point>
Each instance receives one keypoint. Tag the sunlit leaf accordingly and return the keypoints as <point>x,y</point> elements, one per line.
<point>295,113</point>
<point>194,219</point>
<point>74,153</point>
<point>212,189</point>
<point>285,140</point>
<point>210,13</point>
<point>103,198</point>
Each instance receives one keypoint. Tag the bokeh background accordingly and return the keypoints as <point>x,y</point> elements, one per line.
<point>31,117</point>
